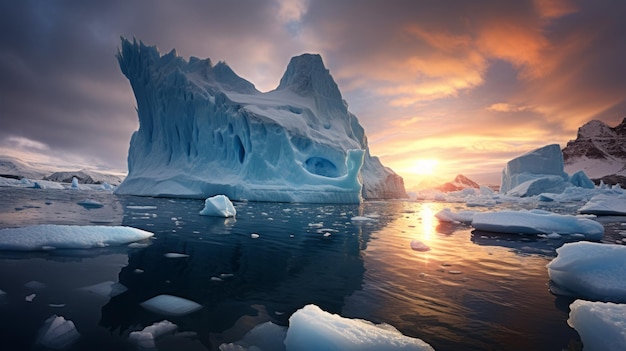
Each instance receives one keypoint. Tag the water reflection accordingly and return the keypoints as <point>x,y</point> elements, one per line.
<point>234,276</point>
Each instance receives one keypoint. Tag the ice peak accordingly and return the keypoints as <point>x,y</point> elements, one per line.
<point>595,129</point>
<point>306,75</point>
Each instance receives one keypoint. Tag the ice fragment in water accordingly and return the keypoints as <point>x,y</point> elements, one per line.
<point>57,333</point>
<point>106,289</point>
<point>144,339</point>
<point>175,255</point>
<point>601,326</point>
<point>419,246</point>
<point>218,206</point>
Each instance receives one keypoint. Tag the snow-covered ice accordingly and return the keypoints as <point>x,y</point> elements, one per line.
<point>297,143</point>
<point>593,271</point>
<point>218,206</point>
<point>311,328</point>
<point>51,236</point>
<point>144,339</point>
<point>169,305</point>
<point>601,325</point>
<point>605,205</point>
<point>537,222</point>
<point>57,333</point>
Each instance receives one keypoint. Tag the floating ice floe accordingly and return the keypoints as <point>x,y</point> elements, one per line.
<point>170,305</point>
<point>446,215</point>
<point>590,270</point>
<point>537,222</point>
<point>106,289</point>
<point>362,219</point>
<point>137,207</point>
<point>45,184</point>
<point>175,255</point>
<point>51,236</point>
<point>144,339</point>
<point>605,205</point>
<point>311,328</point>
<point>57,333</point>
<point>601,325</point>
<point>218,206</point>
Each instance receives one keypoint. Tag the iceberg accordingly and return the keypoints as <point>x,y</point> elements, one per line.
<point>537,222</point>
<point>311,328</point>
<point>52,236</point>
<point>540,171</point>
<point>204,131</point>
<point>601,325</point>
<point>218,206</point>
<point>593,271</point>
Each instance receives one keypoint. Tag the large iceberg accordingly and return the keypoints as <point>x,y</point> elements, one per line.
<point>540,171</point>
<point>203,131</point>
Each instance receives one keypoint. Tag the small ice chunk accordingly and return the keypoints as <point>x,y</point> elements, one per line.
<point>419,246</point>
<point>218,206</point>
<point>89,203</point>
<point>138,271</point>
<point>30,297</point>
<point>327,234</point>
<point>57,333</point>
<point>138,245</point>
<point>554,236</point>
<point>137,207</point>
<point>254,236</point>
<point>312,329</point>
<point>106,289</point>
<point>144,339</point>
<point>74,183</point>
<point>362,218</point>
<point>175,255</point>
<point>601,325</point>
<point>170,305</point>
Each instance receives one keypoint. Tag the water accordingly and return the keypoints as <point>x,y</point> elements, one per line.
<point>471,291</point>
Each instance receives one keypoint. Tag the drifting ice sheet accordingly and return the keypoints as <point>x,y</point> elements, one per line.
<point>170,305</point>
<point>537,222</point>
<point>601,325</point>
<point>218,206</point>
<point>591,270</point>
<point>605,205</point>
<point>312,329</point>
<point>51,236</point>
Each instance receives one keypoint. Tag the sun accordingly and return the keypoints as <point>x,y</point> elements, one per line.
<point>424,166</point>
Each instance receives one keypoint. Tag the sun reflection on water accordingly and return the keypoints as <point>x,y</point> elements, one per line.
<point>429,224</point>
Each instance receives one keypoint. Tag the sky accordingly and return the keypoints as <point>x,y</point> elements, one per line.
<point>441,87</point>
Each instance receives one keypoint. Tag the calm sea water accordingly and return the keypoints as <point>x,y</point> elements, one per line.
<point>471,291</point>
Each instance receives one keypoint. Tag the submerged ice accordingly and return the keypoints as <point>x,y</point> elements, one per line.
<point>206,131</point>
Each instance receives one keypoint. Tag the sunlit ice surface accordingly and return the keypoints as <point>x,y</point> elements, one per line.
<point>470,291</point>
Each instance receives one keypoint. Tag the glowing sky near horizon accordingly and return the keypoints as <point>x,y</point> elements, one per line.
<point>441,87</point>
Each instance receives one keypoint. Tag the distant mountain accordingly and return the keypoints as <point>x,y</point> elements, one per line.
<point>459,183</point>
<point>12,167</point>
<point>84,177</point>
<point>599,151</point>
